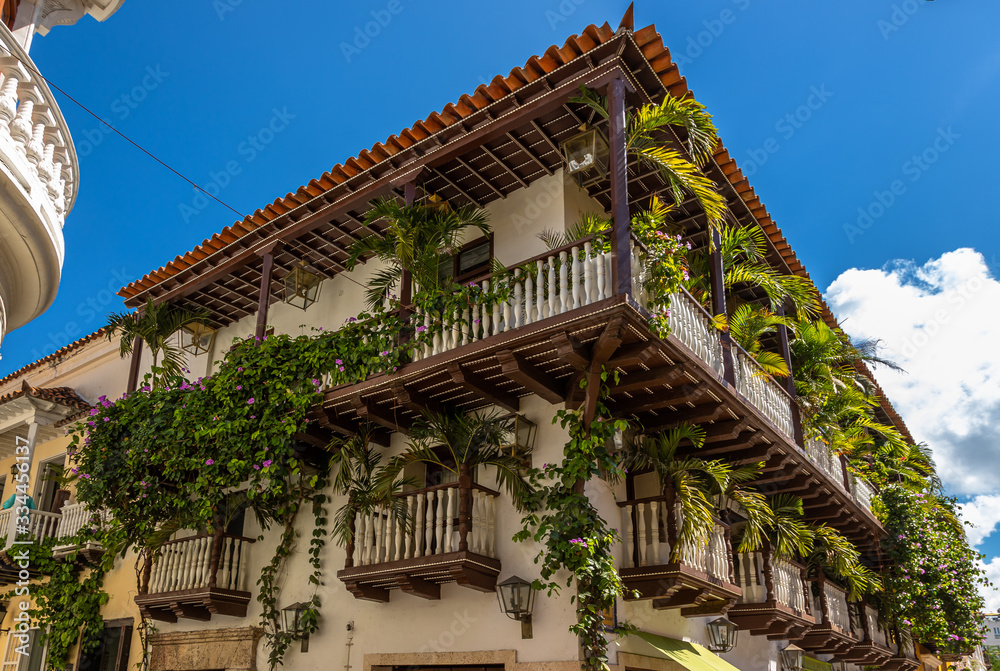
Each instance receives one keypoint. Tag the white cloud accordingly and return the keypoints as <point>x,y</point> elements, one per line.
<point>990,593</point>
<point>984,513</point>
<point>941,322</point>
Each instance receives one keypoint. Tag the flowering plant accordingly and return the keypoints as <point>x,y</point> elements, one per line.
<point>664,268</point>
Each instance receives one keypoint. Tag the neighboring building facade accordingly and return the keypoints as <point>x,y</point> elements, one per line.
<point>39,171</point>
<point>991,625</point>
<point>385,606</point>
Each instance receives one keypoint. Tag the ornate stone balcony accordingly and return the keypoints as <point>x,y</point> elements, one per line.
<point>700,583</point>
<point>39,168</point>
<point>196,577</point>
<point>450,536</point>
<point>775,601</point>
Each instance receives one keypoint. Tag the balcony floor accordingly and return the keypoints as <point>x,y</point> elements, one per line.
<point>193,604</point>
<point>662,383</point>
<point>867,653</point>
<point>772,619</point>
<point>680,586</point>
<point>421,576</point>
<point>828,639</point>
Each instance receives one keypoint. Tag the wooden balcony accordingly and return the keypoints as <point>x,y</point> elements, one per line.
<point>196,577</point>
<point>700,583</point>
<point>775,600</point>
<point>564,324</point>
<point>877,647</point>
<point>833,633</point>
<point>441,543</point>
<point>904,657</point>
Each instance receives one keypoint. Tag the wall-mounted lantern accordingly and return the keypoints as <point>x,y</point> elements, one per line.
<point>522,436</point>
<point>721,635</point>
<point>586,155</point>
<point>517,599</point>
<point>197,338</point>
<point>292,623</point>
<point>301,286</point>
<point>791,658</point>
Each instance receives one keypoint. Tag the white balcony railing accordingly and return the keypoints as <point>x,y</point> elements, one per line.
<point>878,635</point>
<point>836,605</point>
<point>185,564</point>
<point>547,286</point>
<point>645,535</point>
<point>763,391</point>
<point>432,528</point>
<point>692,325</point>
<point>75,516</point>
<point>35,144</point>
<point>41,525</point>
<point>861,490</point>
<point>820,454</point>
<point>788,583</point>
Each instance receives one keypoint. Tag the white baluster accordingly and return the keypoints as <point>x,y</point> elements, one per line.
<point>419,526</point>
<point>398,530</point>
<point>370,531</point>
<point>429,530</point>
<point>439,525</point>
<point>602,289</point>
<point>497,314</point>
<point>241,581</point>
<point>474,325</point>
<point>588,275</point>
<point>564,300</point>
<point>8,98</point>
<point>540,307</point>
<point>627,536</point>
<point>576,283</point>
<point>449,519</point>
<point>21,128</point>
<point>529,299</point>
<point>491,528</point>
<point>654,509</point>
<point>553,308</point>
<point>477,521</point>
<point>379,534</point>
<point>640,516</point>
<point>518,301</point>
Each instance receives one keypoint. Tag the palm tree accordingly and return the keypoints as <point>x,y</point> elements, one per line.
<point>645,138</point>
<point>458,442</point>
<point>744,262</point>
<point>358,472</point>
<point>154,325</point>
<point>415,239</point>
<point>748,325</point>
<point>589,224</point>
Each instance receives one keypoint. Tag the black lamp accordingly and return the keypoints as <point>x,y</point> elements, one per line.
<point>517,599</point>
<point>197,338</point>
<point>301,286</point>
<point>292,624</point>
<point>721,635</point>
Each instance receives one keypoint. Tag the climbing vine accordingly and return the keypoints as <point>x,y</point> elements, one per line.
<point>575,536</point>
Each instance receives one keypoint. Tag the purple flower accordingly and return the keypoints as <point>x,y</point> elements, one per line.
<point>250,401</point>
<point>238,387</point>
<point>421,329</point>
<point>209,462</point>
<point>256,467</point>
<point>253,416</point>
<point>338,361</point>
<point>267,462</point>
<point>239,369</point>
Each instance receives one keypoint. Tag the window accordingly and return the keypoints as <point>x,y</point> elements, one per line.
<point>112,654</point>
<point>471,261</point>
<point>14,660</point>
<point>996,631</point>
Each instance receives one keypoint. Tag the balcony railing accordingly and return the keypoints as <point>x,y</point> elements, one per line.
<point>692,325</point>
<point>699,583</point>
<point>432,546</point>
<point>41,525</point>
<point>549,285</point>
<point>833,632</point>
<point>763,391</point>
<point>861,490</point>
<point>72,518</point>
<point>825,460</point>
<point>35,142</point>
<point>876,648</point>
<point>774,601</point>
<point>432,529</point>
<point>197,576</point>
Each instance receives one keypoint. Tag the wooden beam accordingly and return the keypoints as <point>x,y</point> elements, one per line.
<point>632,355</point>
<point>696,415</point>
<point>478,385</point>
<point>371,412</point>
<point>648,379</point>
<point>414,400</point>
<point>518,369</point>
<point>530,154</point>
<point>425,589</point>
<point>342,425</point>
<point>508,170</point>
<point>571,350</point>
<point>621,266</point>
<point>677,398</point>
<point>264,297</point>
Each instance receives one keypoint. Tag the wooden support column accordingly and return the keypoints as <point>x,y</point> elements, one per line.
<point>263,301</point>
<point>768,570</point>
<point>464,506</point>
<point>717,278</point>
<point>786,354</point>
<point>621,268</point>
<point>133,366</point>
<point>405,278</point>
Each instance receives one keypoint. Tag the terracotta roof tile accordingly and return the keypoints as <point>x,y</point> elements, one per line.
<point>64,396</point>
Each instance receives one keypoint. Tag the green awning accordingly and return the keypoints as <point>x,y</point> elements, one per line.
<point>689,655</point>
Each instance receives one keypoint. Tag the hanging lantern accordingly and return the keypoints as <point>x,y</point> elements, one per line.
<point>436,202</point>
<point>293,625</point>
<point>197,338</point>
<point>791,658</point>
<point>721,635</point>
<point>522,436</point>
<point>301,286</point>
<point>517,599</point>
<point>586,155</point>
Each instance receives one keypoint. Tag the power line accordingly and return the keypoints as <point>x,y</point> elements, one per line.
<point>132,142</point>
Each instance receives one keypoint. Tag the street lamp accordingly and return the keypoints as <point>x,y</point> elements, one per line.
<point>292,623</point>
<point>517,599</point>
<point>791,658</point>
<point>721,635</point>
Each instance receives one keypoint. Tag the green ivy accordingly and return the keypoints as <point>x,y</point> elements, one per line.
<point>575,536</point>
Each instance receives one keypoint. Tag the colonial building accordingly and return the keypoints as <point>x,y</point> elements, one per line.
<point>39,170</point>
<point>424,595</point>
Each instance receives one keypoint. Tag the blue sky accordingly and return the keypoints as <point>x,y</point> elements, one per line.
<point>867,127</point>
